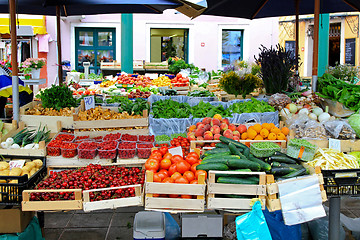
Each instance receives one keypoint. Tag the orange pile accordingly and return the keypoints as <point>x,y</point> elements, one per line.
<point>265,131</point>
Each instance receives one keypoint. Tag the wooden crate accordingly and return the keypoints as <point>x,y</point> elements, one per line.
<point>89,206</point>
<point>41,152</point>
<point>237,204</point>
<point>138,64</point>
<point>61,205</point>
<point>33,121</point>
<point>142,131</point>
<point>60,161</point>
<point>10,127</point>
<point>156,65</point>
<point>131,161</point>
<point>272,190</point>
<point>113,123</point>
<point>187,88</point>
<point>110,65</point>
<point>174,204</point>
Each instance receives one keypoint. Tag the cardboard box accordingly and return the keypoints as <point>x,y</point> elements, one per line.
<point>14,220</point>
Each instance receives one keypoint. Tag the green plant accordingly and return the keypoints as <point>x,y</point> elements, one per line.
<point>175,65</point>
<point>238,83</point>
<point>57,97</point>
<point>276,67</point>
<point>344,72</point>
<point>34,63</point>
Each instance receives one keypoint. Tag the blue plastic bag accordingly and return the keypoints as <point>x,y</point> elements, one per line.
<point>252,225</point>
<point>172,229</point>
<point>278,229</point>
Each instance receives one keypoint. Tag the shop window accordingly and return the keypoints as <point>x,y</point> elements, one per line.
<point>232,46</point>
<point>94,45</point>
<point>167,43</point>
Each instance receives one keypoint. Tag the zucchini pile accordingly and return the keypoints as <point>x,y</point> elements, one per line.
<point>231,155</point>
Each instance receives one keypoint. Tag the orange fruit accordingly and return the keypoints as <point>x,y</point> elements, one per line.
<point>244,136</point>
<point>258,137</point>
<point>251,133</point>
<point>285,131</point>
<point>264,133</point>
<point>280,136</point>
<point>257,127</point>
<point>272,136</point>
<point>275,130</point>
<point>267,126</point>
<point>271,126</point>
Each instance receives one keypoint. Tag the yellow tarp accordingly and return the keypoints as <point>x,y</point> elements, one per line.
<point>38,23</point>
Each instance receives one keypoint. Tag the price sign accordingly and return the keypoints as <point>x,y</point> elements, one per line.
<point>89,102</point>
<point>16,163</point>
<point>335,144</point>
<point>176,151</point>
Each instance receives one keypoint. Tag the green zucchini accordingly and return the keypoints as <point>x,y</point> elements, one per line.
<point>212,166</point>
<point>232,175</point>
<point>282,159</point>
<point>214,160</point>
<point>236,143</point>
<point>276,164</point>
<point>246,152</point>
<point>243,163</point>
<point>221,157</point>
<point>234,196</point>
<point>281,171</point>
<point>264,166</point>
<point>236,180</point>
<point>234,150</point>
<point>296,173</point>
<point>217,155</point>
<point>216,150</point>
<point>221,145</point>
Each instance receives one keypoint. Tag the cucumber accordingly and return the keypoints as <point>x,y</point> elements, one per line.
<point>221,145</point>
<point>216,150</point>
<point>234,196</point>
<point>281,171</point>
<point>212,166</point>
<point>264,166</point>
<point>246,152</point>
<point>243,163</point>
<point>217,155</point>
<point>236,180</point>
<point>295,173</point>
<point>282,159</point>
<point>214,160</point>
<point>236,143</point>
<point>221,157</point>
<point>234,150</point>
<point>232,175</point>
<point>276,164</point>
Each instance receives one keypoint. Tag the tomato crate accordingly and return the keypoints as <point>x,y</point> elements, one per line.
<point>216,192</point>
<point>272,190</point>
<point>12,187</point>
<point>342,182</point>
<point>61,205</point>
<point>89,205</point>
<point>174,204</point>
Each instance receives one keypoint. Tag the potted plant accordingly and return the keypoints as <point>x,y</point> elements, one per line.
<point>34,64</point>
<point>276,68</point>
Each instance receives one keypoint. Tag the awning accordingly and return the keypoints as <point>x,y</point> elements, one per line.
<point>38,23</point>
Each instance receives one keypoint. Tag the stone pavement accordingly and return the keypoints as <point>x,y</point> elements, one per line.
<point>117,224</point>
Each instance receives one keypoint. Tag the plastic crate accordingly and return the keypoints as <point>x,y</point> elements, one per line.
<point>11,193</point>
<point>342,182</point>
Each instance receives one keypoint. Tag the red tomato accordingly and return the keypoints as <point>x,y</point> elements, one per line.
<point>165,163</point>
<point>168,180</point>
<point>172,169</point>
<point>173,196</point>
<point>193,167</point>
<point>189,175</point>
<point>191,160</point>
<point>163,150</point>
<point>182,180</point>
<point>176,175</point>
<point>198,172</point>
<point>176,158</point>
<point>152,164</point>
<point>194,182</point>
<point>186,196</point>
<point>167,155</point>
<point>182,166</point>
<point>157,178</point>
<point>164,172</point>
<point>162,175</point>
<point>193,154</point>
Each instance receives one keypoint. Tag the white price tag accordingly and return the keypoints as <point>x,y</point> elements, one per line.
<point>176,151</point>
<point>89,102</point>
<point>16,163</point>
<point>335,144</point>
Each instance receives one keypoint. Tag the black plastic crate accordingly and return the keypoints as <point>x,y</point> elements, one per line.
<point>11,193</point>
<point>342,182</point>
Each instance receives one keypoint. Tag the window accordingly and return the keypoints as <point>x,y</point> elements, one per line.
<point>232,46</point>
<point>167,43</point>
<point>94,45</point>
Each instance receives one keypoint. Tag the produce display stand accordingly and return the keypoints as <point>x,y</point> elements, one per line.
<point>104,131</point>
<point>89,206</point>
<point>33,121</point>
<point>272,191</point>
<point>243,190</point>
<point>194,142</point>
<point>61,205</point>
<point>174,205</point>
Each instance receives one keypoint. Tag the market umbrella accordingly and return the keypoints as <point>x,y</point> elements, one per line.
<point>275,8</point>
<point>67,8</point>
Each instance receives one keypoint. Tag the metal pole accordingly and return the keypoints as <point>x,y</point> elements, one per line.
<point>334,218</point>
<point>316,45</point>
<point>58,36</point>
<point>15,80</point>
<point>127,43</point>
<point>297,2</point>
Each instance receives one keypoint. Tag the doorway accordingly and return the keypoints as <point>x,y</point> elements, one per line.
<point>334,44</point>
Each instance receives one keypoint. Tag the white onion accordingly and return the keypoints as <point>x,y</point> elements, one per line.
<point>324,117</point>
<point>285,112</point>
<point>15,146</point>
<point>317,111</point>
<point>304,111</point>
<point>10,141</point>
<point>312,116</point>
<point>4,145</point>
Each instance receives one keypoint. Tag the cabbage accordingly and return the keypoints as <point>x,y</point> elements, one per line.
<point>354,122</point>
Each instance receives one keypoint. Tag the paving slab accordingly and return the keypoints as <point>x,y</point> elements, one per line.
<point>123,219</point>
<point>129,209</point>
<point>120,233</point>
<point>90,220</point>
<point>84,233</point>
<point>57,220</point>
<point>53,233</point>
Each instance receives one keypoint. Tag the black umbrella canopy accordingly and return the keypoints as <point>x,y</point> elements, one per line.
<point>275,8</point>
<point>89,7</point>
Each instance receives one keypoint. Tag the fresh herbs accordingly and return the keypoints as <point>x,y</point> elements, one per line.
<point>251,106</point>
<point>135,107</point>
<point>207,110</point>
<point>198,93</point>
<point>170,109</point>
<point>344,72</point>
<point>57,97</point>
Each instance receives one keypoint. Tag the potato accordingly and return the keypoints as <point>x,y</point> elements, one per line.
<point>24,173</point>
<point>30,164</point>
<point>38,163</point>
<point>26,169</point>
<point>5,172</point>
<point>15,172</point>
<point>33,171</point>
<point>4,165</point>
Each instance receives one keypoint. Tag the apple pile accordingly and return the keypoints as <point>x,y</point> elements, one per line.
<point>213,128</point>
